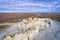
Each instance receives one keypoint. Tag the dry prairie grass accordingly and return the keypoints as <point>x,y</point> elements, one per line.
<point>14,17</point>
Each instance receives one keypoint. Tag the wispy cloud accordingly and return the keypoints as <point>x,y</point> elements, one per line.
<point>26,6</point>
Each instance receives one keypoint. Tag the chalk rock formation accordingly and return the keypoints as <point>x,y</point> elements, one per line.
<point>29,28</point>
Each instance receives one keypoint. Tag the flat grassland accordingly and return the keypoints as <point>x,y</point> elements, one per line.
<point>16,17</point>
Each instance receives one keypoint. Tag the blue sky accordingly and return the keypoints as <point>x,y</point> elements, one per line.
<point>29,5</point>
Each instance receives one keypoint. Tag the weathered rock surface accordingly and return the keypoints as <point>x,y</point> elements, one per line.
<point>29,28</point>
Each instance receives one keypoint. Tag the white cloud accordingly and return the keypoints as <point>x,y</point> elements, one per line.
<point>28,6</point>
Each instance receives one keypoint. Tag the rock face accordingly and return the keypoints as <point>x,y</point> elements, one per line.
<point>29,28</point>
